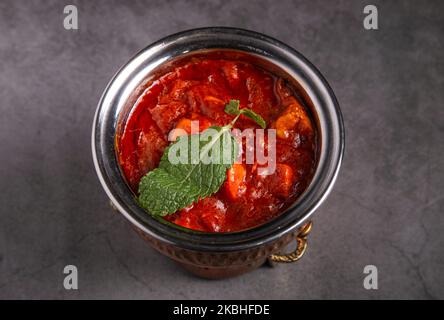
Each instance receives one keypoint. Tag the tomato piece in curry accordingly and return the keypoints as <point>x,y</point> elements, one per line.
<point>199,90</point>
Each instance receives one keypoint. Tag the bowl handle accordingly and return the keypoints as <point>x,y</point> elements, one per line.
<point>294,256</point>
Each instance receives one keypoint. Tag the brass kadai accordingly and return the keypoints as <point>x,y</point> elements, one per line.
<point>230,254</point>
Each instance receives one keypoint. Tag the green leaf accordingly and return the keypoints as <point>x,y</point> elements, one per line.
<point>186,174</point>
<point>233,108</point>
<point>194,167</point>
<point>254,116</point>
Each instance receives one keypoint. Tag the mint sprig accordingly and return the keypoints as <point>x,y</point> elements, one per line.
<point>176,184</point>
<point>233,108</point>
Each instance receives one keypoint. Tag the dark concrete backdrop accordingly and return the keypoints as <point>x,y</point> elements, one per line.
<point>386,208</point>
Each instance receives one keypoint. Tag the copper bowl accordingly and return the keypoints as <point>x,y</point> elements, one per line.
<point>217,255</point>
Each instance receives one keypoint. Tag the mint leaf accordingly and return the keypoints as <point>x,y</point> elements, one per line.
<point>233,108</point>
<point>202,171</point>
<point>254,116</point>
<point>194,167</point>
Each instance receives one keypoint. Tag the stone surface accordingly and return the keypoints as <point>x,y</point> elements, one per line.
<point>386,208</point>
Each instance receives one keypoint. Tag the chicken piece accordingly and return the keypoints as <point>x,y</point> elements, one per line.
<point>150,146</point>
<point>235,185</point>
<point>209,100</point>
<point>293,116</point>
<point>175,91</point>
<point>281,181</point>
<point>260,95</point>
<point>166,114</point>
<point>184,126</point>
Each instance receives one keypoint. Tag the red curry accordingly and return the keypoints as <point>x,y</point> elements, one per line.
<point>198,90</point>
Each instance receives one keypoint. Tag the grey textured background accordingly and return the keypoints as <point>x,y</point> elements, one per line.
<point>386,208</point>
